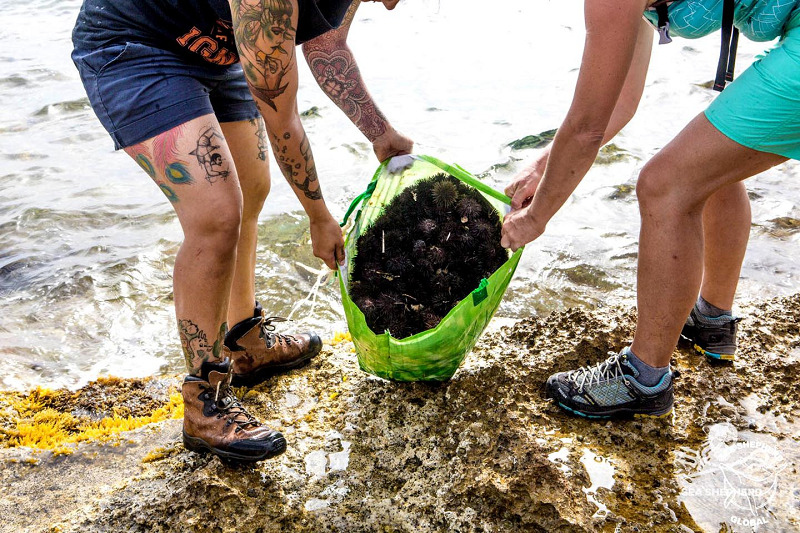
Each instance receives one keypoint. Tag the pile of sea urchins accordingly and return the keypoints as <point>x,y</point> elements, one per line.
<point>427,251</point>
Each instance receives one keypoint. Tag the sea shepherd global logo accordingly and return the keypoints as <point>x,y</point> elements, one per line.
<point>740,475</point>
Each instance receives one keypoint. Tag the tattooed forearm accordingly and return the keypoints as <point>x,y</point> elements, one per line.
<point>209,156</point>
<point>265,36</point>
<point>338,75</point>
<point>295,168</point>
<point>336,71</point>
<point>196,349</point>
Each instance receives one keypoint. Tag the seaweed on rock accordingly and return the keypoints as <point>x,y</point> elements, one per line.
<point>426,252</point>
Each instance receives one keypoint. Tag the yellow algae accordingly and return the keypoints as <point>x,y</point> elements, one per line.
<point>339,337</point>
<point>158,454</point>
<point>37,424</point>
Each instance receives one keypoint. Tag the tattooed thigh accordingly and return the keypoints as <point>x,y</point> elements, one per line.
<point>185,155</point>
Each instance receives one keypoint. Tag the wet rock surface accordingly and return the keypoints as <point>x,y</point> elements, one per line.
<point>483,452</point>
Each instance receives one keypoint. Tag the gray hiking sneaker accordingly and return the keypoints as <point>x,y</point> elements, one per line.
<point>712,337</point>
<point>610,390</point>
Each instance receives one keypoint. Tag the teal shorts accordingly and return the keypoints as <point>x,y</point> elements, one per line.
<point>761,108</point>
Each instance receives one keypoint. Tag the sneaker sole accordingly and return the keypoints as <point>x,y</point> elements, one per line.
<point>262,374</point>
<point>702,351</point>
<point>620,414</point>
<point>200,446</point>
<point>712,355</point>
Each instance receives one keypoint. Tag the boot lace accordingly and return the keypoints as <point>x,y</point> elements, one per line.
<point>229,407</point>
<point>586,376</point>
<point>268,332</point>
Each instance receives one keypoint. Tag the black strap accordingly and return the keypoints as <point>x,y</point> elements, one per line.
<point>663,23</point>
<point>732,55</point>
<point>727,53</point>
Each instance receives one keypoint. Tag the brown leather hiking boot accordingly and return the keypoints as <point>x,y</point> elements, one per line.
<point>214,420</point>
<point>258,352</point>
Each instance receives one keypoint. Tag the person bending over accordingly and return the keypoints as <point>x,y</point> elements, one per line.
<point>695,213</point>
<point>171,81</point>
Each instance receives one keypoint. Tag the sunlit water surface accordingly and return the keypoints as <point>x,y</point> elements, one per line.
<point>87,242</point>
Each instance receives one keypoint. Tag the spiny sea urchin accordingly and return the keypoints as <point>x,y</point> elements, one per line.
<point>468,208</point>
<point>445,194</point>
<point>436,255</point>
<point>427,226</point>
<point>419,259</point>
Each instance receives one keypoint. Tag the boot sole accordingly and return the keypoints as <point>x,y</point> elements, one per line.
<point>264,373</point>
<point>198,445</point>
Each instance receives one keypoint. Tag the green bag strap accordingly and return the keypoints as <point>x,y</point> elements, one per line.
<point>364,196</point>
<point>467,178</point>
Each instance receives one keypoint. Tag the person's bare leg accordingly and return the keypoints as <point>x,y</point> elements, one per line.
<point>193,167</point>
<point>257,352</point>
<point>726,230</point>
<point>249,147</point>
<point>673,189</point>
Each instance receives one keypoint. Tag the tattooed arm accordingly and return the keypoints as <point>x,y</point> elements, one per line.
<point>335,69</point>
<point>265,37</point>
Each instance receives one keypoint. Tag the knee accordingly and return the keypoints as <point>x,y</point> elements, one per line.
<point>655,190</point>
<point>255,193</point>
<point>216,229</point>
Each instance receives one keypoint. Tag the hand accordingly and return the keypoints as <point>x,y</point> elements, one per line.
<point>523,186</point>
<point>390,144</point>
<point>327,241</point>
<point>520,228</point>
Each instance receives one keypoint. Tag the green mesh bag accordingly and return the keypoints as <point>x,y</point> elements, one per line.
<point>434,354</point>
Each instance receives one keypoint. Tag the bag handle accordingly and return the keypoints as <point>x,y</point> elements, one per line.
<point>467,178</point>
<point>364,196</point>
<point>454,170</point>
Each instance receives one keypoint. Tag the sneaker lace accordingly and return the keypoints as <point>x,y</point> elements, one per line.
<point>229,407</point>
<point>268,331</point>
<point>602,371</point>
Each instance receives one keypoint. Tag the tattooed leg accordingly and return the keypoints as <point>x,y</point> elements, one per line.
<point>261,134</point>
<point>209,156</point>
<point>179,162</point>
<point>196,347</point>
<point>248,144</point>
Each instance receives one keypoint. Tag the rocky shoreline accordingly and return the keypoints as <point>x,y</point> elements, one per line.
<point>483,452</point>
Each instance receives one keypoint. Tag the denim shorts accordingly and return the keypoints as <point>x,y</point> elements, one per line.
<point>138,91</point>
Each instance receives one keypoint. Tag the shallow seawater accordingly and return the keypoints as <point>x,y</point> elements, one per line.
<point>87,243</point>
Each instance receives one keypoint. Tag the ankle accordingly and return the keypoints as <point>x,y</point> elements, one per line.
<point>648,375</point>
<point>710,310</point>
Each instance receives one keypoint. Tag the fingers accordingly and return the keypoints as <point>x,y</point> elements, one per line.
<point>333,256</point>
<point>339,253</point>
<point>516,202</point>
<point>510,189</point>
<point>518,230</point>
<point>508,239</point>
<point>522,197</point>
<point>329,261</point>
